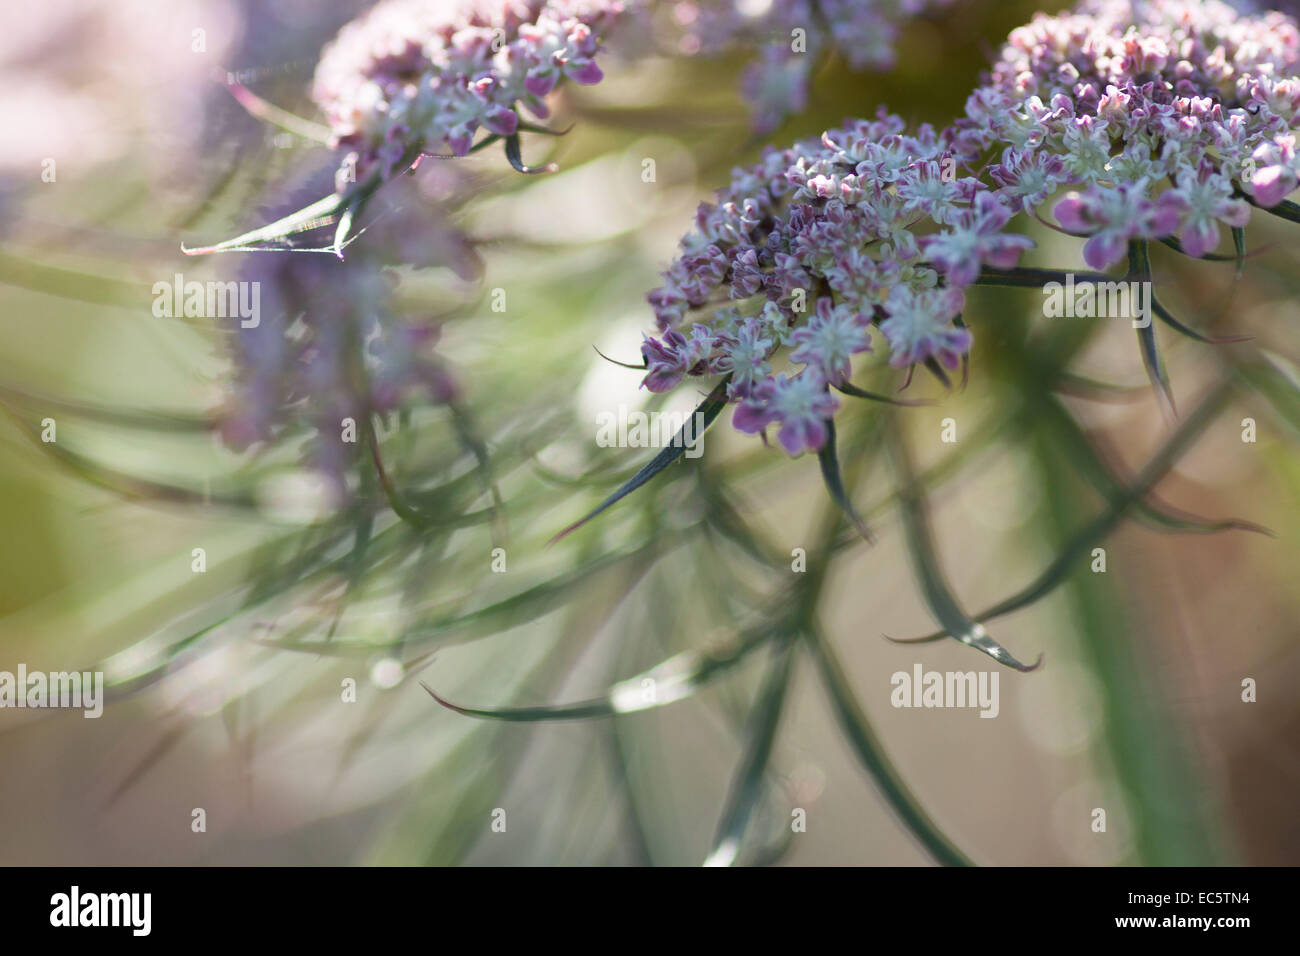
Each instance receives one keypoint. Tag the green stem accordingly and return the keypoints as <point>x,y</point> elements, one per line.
<point>1171,823</point>
<point>873,758</point>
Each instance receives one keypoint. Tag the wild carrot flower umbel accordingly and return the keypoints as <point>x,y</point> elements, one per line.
<point>414,78</point>
<point>870,226</point>
<point>1168,117</point>
<point>418,76</point>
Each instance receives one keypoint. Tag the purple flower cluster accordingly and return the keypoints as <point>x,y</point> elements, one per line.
<point>811,248</point>
<point>792,35</point>
<point>428,74</point>
<point>1130,120</point>
<point>1164,116</point>
<point>329,344</point>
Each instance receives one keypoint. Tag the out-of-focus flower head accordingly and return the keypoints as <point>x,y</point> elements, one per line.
<point>90,81</point>
<point>330,343</point>
<point>811,248</point>
<point>426,75</point>
<point>1165,115</point>
<point>792,36</point>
